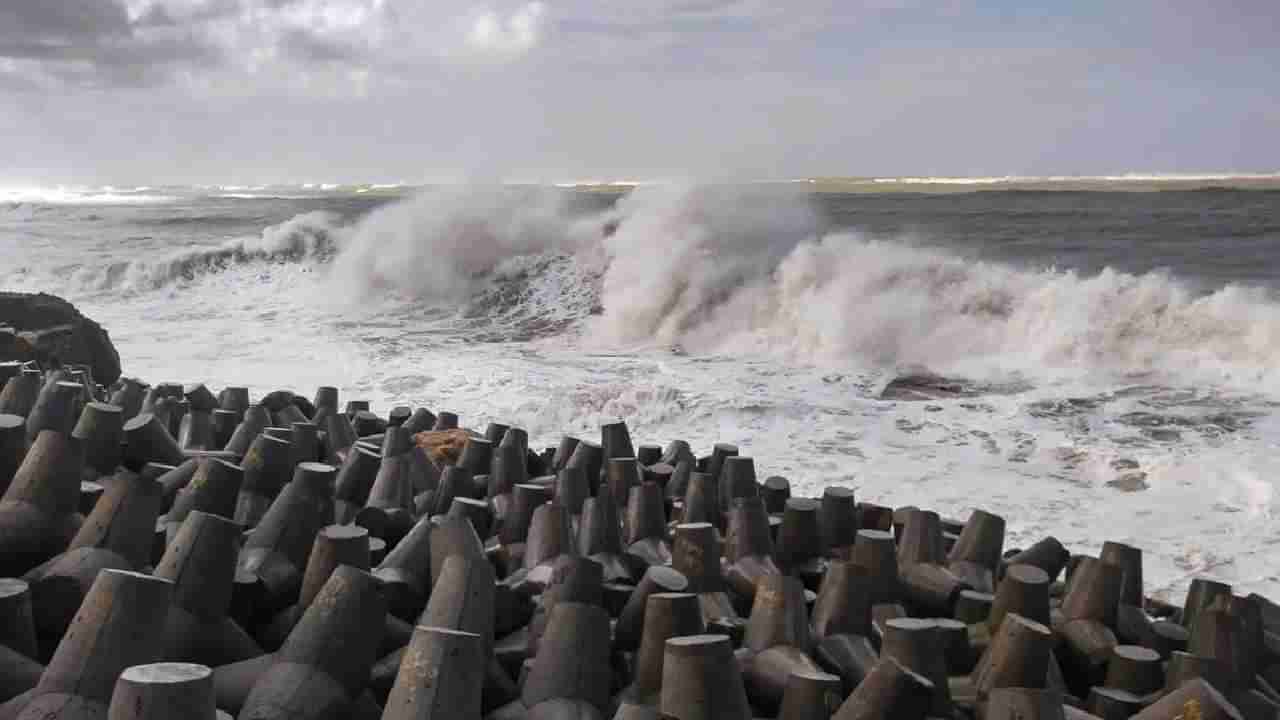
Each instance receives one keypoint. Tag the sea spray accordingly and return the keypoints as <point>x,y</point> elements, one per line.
<point>738,270</point>
<point>442,244</point>
<point>680,253</point>
<point>877,302</point>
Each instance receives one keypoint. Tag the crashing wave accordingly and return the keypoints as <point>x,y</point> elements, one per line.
<point>748,269</point>
<point>310,236</point>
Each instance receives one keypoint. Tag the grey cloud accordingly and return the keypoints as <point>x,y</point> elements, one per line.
<point>47,21</point>
<point>606,88</point>
<point>311,48</point>
<point>89,43</point>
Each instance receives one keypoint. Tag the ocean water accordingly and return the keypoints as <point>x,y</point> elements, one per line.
<point>1100,333</point>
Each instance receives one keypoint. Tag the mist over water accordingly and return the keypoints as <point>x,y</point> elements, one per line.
<point>1098,337</point>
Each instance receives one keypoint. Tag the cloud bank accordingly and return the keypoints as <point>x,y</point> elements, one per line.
<point>300,90</point>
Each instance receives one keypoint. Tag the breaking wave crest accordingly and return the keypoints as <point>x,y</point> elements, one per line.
<point>744,274</point>
<point>746,270</point>
<point>309,236</point>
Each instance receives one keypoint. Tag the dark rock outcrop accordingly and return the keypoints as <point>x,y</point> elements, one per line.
<point>923,385</point>
<point>50,330</point>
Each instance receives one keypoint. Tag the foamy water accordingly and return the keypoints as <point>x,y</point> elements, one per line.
<point>743,315</point>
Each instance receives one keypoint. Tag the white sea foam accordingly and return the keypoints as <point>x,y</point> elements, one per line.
<point>64,195</point>
<point>443,243</point>
<point>752,269</point>
<point>310,236</point>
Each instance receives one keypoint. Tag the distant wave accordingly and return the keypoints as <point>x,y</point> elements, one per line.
<point>1123,178</point>
<point>83,196</point>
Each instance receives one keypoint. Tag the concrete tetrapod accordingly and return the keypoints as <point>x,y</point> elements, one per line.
<point>777,638</point>
<point>406,572</point>
<point>875,551</point>
<point>19,674</point>
<point>57,407</point>
<point>842,622</point>
<point>701,680</point>
<point>666,615</point>
<point>389,511</point>
<point>889,692</point>
<point>13,447</point>
<point>147,439</point>
<point>256,419</point>
<point>775,491</point>
<point>112,635</point>
<point>844,601</point>
<point>1019,656</point>
<point>600,535</point>
<point>571,491</point>
<point>164,691</point>
<point>173,479</point>
<point>622,474</point>
<point>976,555</point>
<point>267,469</point>
<point>117,535</point>
<point>38,512</point>
<point>334,546</point>
<point>649,454</point>
<point>354,481</point>
<point>270,567</point>
<point>19,394</point>
<point>1090,609</point>
<point>564,451</point>
<point>1195,699</point>
<point>811,696</point>
<point>647,525</point>
<point>736,479</point>
<point>100,431</point>
<point>441,676</point>
<point>339,437</point>
<point>696,555</point>
<point>201,562</point>
<point>719,452</point>
<point>629,628</point>
<point>323,667</point>
<point>1025,704</point>
<point>927,586</point>
<point>678,482</point>
<point>214,489</point>
<point>573,580</point>
<point>799,549</point>
<point>914,642</point>
<point>128,396</point>
<point>589,458</point>
<point>837,520</point>
<point>701,501</point>
<point>1024,590</point>
<point>17,624</point>
<point>462,600</point>
<point>550,538</point>
<point>573,657</point>
<point>748,549</point>
<point>479,514</point>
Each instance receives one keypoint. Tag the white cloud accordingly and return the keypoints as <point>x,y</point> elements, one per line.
<point>491,33</point>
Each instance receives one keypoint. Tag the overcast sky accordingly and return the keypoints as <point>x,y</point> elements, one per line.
<point>252,91</point>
